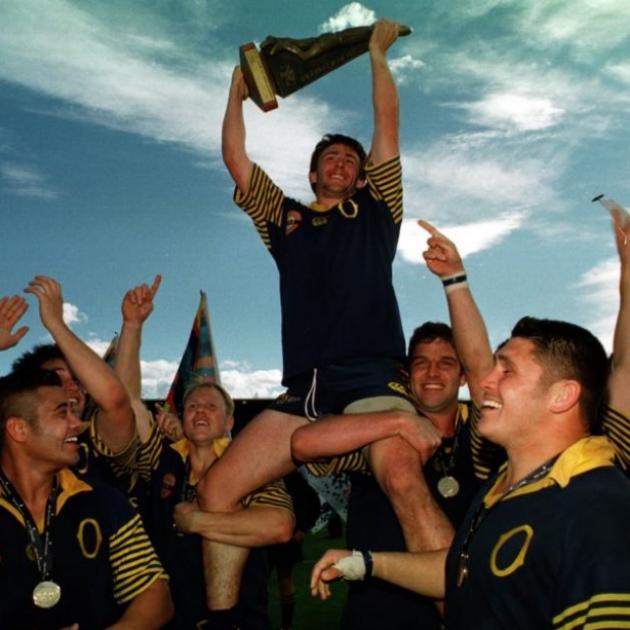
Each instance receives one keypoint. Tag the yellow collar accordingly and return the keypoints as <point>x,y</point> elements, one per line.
<point>183,448</point>
<point>584,455</point>
<point>69,485</point>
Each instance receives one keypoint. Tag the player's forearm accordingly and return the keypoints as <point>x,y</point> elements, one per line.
<point>151,609</point>
<point>422,572</point>
<point>385,143</point>
<point>127,365</point>
<point>342,434</point>
<point>618,391</point>
<point>233,142</point>
<point>471,338</point>
<point>251,527</point>
<point>94,374</point>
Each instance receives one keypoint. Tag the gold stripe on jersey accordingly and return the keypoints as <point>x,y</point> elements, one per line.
<point>350,462</point>
<point>605,610</point>
<point>134,562</point>
<point>616,427</point>
<point>271,495</point>
<point>262,202</point>
<point>149,453</point>
<point>385,182</point>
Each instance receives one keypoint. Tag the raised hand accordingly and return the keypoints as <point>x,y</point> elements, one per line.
<point>48,293</point>
<point>421,434</point>
<point>441,255</point>
<point>11,310</point>
<point>137,304</point>
<point>384,34</point>
<point>168,423</point>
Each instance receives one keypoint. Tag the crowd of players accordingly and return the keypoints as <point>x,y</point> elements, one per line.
<point>507,511</point>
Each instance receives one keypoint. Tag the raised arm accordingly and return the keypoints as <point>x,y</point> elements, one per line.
<point>422,572</point>
<point>469,330</point>
<point>619,380</point>
<point>11,310</point>
<point>136,307</point>
<point>233,135</point>
<point>385,143</point>
<point>115,420</point>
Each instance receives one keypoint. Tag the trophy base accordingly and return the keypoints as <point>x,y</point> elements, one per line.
<point>259,82</point>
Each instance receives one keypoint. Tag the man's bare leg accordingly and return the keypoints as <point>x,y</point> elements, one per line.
<point>261,453</point>
<point>398,470</point>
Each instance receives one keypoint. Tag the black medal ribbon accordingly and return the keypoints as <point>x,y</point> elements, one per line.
<point>482,511</point>
<point>41,544</point>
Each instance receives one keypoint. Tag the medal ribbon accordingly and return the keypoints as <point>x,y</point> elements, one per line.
<point>42,546</point>
<point>482,512</point>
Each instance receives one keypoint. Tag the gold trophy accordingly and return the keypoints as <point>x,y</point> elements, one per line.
<point>284,65</point>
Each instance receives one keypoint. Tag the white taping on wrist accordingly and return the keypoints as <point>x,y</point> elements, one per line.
<point>351,567</point>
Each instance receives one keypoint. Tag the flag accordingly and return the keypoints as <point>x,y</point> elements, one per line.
<point>198,362</point>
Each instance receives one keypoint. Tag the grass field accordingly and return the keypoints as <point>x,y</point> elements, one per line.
<point>310,613</point>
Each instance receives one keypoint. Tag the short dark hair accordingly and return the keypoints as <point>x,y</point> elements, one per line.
<point>568,351</point>
<point>16,394</point>
<point>36,357</point>
<point>337,138</point>
<point>428,332</point>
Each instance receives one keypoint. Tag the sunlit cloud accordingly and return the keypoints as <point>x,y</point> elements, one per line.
<point>352,14</point>
<point>107,77</point>
<point>25,181</point>
<point>517,111</point>
<point>157,377</point>
<point>598,290</point>
<point>243,382</point>
<point>72,314</point>
<point>403,67</point>
<point>470,238</point>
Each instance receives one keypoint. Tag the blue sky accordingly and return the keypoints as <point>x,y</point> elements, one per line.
<point>514,115</point>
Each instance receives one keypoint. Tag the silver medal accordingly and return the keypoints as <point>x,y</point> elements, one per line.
<point>448,486</point>
<point>46,594</point>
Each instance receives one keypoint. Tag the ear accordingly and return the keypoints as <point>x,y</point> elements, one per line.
<point>312,177</point>
<point>360,183</point>
<point>229,423</point>
<point>462,379</point>
<point>17,429</point>
<point>565,394</point>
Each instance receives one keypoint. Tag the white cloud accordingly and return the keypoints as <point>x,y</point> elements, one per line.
<point>468,176</point>
<point>402,67</point>
<point>243,382</point>
<point>470,238</point>
<point>72,314</point>
<point>157,377</point>
<point>108,77</point>
<point>598,288</point>
<point>521,112</point>
<point>353,14</point>
<point>98,345</point>
<point>620,71</point>
<point>25,181</point>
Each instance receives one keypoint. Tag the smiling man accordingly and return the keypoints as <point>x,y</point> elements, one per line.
<point>342,339</point>
<point>546,544</point>
<point>72,552</point>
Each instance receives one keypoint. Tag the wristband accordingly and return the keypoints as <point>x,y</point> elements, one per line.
<point>457,278</point>
<point>369,563</point>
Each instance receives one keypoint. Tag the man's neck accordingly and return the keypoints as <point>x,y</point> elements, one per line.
<point>202,456</point>
<point>325,201</point>
<point>443,421</point>
<point>33,482</point>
